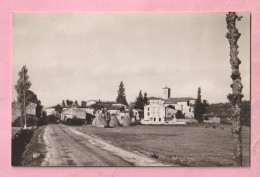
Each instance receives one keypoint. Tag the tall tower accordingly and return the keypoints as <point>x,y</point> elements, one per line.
<point>166,92</point>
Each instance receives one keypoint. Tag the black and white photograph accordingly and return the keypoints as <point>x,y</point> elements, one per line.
<point>118,89</point>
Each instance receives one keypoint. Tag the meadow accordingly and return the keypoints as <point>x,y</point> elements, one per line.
<point>191,145</point>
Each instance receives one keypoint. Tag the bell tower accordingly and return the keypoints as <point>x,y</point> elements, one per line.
<point>166,92</point>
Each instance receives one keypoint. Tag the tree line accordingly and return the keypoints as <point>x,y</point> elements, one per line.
<point>140,102</point>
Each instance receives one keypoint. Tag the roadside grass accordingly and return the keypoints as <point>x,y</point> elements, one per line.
<point>191,145</point>
<point>36,145</point>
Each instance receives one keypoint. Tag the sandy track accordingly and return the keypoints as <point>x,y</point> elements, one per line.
<point>68,147</point>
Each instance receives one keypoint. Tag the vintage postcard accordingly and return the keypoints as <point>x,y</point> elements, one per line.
<point>131,89</point>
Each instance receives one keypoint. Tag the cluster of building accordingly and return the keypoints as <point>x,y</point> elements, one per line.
<point>90,109</point>
<point>159,110</point>
<point>166,109</point>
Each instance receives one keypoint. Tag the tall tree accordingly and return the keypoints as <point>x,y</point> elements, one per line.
<point>204,107</point>
<point>198,107</point>
<point>22,86</point>
<point>236,97</point>
<point>75,103</point>
<point>58,108</point>
<point>145,99</point>
<point>63,103</point>
<point>39,110</point>
<point>83,103</point>
<point>121,97</point>
<point>139,103</point>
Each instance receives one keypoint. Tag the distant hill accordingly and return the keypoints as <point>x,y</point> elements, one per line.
<point>223,110</point>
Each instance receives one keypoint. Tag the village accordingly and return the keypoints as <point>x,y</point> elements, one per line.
<point>115,97</point>
<point>163,110</point>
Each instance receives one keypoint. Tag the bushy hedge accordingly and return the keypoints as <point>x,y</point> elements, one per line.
<point>19,142</point>
<point>31,120</point>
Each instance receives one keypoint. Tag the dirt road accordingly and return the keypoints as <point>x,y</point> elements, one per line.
<point>68,147</point>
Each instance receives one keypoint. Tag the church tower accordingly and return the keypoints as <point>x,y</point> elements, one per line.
<point>166,92</point>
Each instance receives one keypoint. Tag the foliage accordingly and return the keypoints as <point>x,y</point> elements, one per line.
<point>200,107</point>
<point>145,100</point>
<point>75,103</point>
<point>19,142</point>
<point>24,95</point>
<point>83,103</point>
<point>69,103</point>
<point>63,103</point>
<point>179,115</point>
<point>131,112</point>
<point>223,110</point>
<point>31,120</point>
<point>121,97</point>
<point>139,103</point>
<point>39,110</point>
<point>58,108</point>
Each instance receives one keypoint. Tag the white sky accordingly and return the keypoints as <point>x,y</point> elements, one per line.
<point>82,56</point>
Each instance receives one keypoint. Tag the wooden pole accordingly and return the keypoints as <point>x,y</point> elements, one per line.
<point>25,124</point>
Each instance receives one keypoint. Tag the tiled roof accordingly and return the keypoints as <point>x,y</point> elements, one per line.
<point>154,98</point>
<point>116,107</point>
<point>175,100</point>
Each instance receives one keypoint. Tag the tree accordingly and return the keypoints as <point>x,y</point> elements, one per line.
<point>75,103</point>
<point>236,97</point>
<point>39,110</point>
<point>121,97</point>
<point>69,103</point>
<point>58,108</point>
<point>179,114</point>
<point>63,103</point>
<point>204,107</point>
<point>22,86</point>
<point>131,113</point>
<point>139,103</point>
<point>83,103</point>
<point>198,107</point>
<point>145,99</point>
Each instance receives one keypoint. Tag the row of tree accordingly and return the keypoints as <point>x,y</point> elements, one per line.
<point>140,102</point>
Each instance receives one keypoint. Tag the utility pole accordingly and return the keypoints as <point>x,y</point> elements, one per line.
<point>24,104</point>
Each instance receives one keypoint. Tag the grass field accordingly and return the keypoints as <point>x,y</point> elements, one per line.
<point>181,145</point>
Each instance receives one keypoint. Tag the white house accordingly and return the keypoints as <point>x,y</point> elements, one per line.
<point>138,114</point>
<point>116,108</point>
<point>51,111</point>
<point>154,113</point>
<point>91,102</point>
<point>163,110</point>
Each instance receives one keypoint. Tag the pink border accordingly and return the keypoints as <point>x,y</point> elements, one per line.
<point>8,6</point>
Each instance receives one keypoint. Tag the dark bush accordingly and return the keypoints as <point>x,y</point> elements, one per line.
<point>31,120</point>
<point>19,142</point>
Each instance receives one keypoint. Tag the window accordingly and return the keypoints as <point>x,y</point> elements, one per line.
<point>154,119</point>
<point>182,107</point>
<point>190,109</point>
<point>148,109</point>
<point>148,114</point>
<point>159,119</point>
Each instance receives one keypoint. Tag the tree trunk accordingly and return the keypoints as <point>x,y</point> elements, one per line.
<point>236,97</point>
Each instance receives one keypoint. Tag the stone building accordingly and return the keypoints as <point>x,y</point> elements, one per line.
<point>163,110</point>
